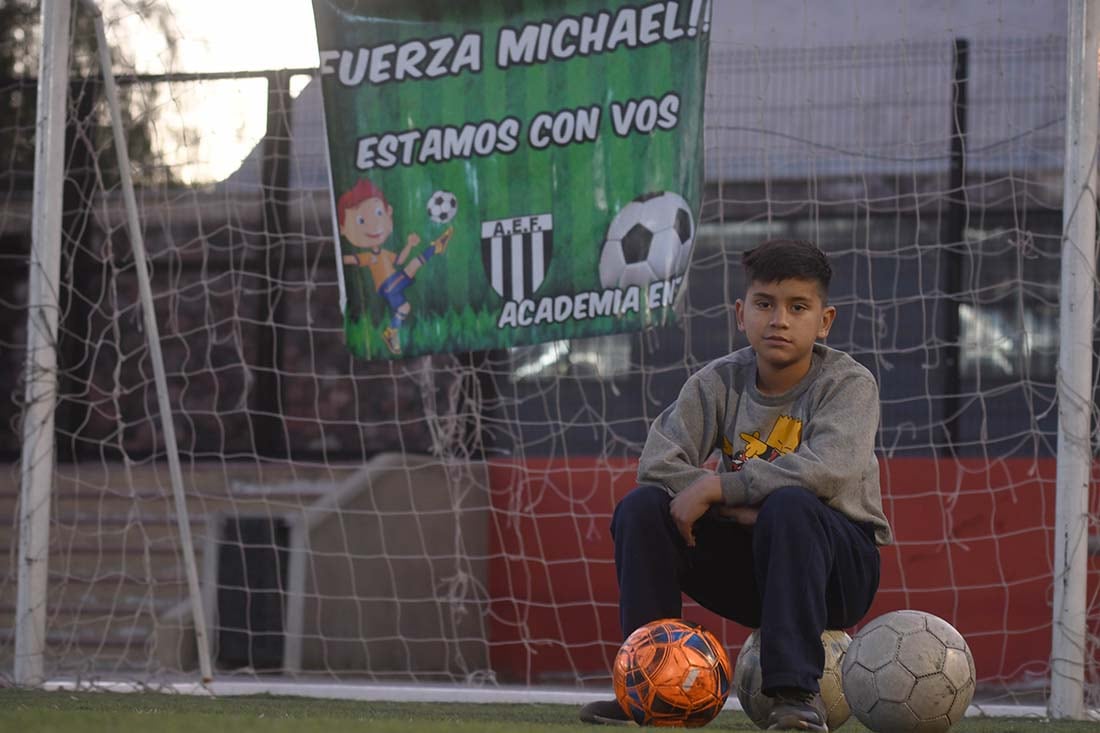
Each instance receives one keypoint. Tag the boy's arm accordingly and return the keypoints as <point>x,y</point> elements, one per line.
<point>684,435</point>
<point>835,451</point>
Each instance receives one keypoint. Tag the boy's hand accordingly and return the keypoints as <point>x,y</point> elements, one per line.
<point>692,503</point>
<point>413,240</point>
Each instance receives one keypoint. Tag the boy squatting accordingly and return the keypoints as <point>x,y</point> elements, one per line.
<point>784,536</point>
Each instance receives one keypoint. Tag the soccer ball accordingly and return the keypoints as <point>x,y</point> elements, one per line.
<point>908,671</point>
<point>672,673</point>
<point>757,705</point>
<point>442,207</point>
<point>649,239</point>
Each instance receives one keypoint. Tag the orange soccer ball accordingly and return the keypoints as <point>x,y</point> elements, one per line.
<point>672,673</point>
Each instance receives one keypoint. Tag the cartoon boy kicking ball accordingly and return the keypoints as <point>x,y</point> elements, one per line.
<point>366,221</point>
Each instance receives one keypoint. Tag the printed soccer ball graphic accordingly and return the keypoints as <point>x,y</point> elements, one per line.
<point>908,671</point>
<point>649,239</point>
<point>672,673</point>
<point>757,705</point>
<point>442,207</point>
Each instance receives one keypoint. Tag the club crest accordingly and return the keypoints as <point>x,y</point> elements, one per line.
<point>516,254</point>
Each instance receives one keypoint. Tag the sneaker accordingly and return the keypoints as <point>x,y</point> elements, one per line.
<point>605,712</point>
<point>392,339</point>
<point>797,710</point>
<point>444,239</point>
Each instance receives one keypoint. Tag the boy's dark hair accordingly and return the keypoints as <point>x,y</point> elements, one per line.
<point>782,259</point>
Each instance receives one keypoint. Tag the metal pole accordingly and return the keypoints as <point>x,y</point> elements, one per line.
<point>37,466</point>
<point>269,430</point>
<point>152,334</point>
<point>1067,658</point>
<point>953,234</point>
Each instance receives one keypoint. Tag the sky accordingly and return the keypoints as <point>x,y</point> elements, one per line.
<point>226,119</point>
<point>248,34</point>
<point>223,35</point>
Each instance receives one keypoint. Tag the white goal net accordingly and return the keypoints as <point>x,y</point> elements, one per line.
<point>445,518</point>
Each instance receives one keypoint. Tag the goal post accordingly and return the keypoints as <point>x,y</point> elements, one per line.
<point>1075,365</point>
<point>37,463</point>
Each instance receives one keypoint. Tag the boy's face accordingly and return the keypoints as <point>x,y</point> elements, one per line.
<point>369,224</point>
<point>783,320</point>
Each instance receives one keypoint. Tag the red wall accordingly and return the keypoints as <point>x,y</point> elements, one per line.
<point>973,546</point>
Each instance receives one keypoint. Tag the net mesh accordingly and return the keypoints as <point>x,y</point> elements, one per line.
<point>445,518</point>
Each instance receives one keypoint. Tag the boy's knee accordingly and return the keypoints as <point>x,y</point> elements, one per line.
<point>790,504</point>
<point>643,505</point>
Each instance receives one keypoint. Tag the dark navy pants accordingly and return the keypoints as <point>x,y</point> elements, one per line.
<point>801,569</point>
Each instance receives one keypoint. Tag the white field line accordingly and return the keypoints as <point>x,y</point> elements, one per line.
<point>377,692</point>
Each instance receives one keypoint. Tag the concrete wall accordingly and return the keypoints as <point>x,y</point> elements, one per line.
<point>396,583</point>
<point>391,579</point>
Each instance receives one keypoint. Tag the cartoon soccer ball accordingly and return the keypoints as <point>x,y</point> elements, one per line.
<point>757,705</point>
<point>908,671</point>
<point>673,673</point>
<point>649,239</point>
<point>442,207</point>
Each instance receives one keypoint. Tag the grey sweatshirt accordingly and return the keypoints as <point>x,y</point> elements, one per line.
<point>820,435</point>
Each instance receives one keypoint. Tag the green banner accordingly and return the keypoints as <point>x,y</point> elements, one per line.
<point>508,172</point>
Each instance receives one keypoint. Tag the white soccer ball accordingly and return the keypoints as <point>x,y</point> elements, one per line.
<point>747,680</point>
<point>908,671</point>
<point>442,207</point>
<point>649,239</point>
